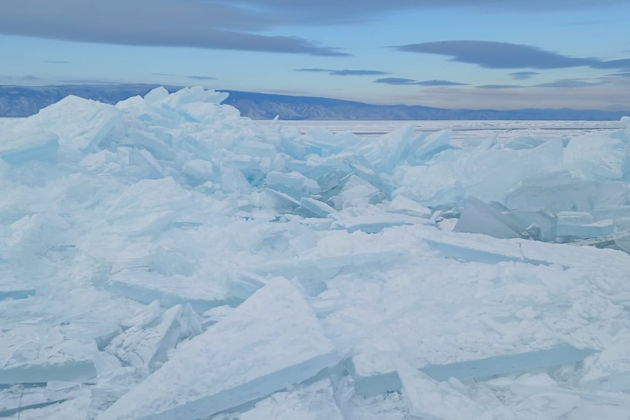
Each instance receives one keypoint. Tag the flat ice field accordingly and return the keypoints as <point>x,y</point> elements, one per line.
<point>165,258</point>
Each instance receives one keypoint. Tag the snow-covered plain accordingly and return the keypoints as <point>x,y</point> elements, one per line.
<point>165,258</point>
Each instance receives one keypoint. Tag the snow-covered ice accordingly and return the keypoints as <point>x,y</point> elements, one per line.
<point>165,258</point>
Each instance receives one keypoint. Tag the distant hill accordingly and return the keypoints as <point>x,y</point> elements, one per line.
<point>21,101</point>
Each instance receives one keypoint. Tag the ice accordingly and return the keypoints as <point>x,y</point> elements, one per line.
<point>429,399</point>
<point>146,286</point>
<point>167,258</point>
<point>80,124</point>
<point>312,273</point>
<point>560,192</point>
<point>27,144</point>
<point>309,402</point>
<point>33,355</point>
<point>585,230</point>
<point>218,371</point>
<point>374,372</point>
<point>292,183</point>
<point>10,288</point>
<point>597,157</point>
<point>147,344</point>
<point>24,400</point>
<point>479,217</point>
<point>315,207</point>
<point>514,364</point>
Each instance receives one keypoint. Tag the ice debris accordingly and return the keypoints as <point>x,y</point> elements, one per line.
<point>271,341</point>
<point>166,258</point>
<point>477,370</point>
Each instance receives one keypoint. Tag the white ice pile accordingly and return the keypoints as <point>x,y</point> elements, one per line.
<point>165,258</point>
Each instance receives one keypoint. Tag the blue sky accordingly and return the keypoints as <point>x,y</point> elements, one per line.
<point>447,53</point>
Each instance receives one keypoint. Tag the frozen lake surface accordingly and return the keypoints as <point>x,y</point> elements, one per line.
<point>461,128</point>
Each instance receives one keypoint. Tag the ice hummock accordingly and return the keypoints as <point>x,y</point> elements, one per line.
<point>166,249</point>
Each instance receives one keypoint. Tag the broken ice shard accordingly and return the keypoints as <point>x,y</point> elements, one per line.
<point>147,344</point>
<point>513,364</point>
<point>479,217</point>
<point>309,402</point>
<point>374,373</point>
<point>11,288</point>
<point>34,355</point>
<point>201,292</point>
<point>269,342</point>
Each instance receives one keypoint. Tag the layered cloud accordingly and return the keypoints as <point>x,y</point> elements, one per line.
<point>184,23</point>
<point>504,55</point>
<point>222,24</point>
<point>403,81</point>
<point>344,72</point>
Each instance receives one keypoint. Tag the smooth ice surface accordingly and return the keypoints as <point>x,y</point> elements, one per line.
<point>270,342</point>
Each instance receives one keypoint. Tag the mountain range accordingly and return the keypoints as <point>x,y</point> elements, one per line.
<point>21,101</point>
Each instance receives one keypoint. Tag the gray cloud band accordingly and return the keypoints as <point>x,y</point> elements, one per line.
<point>503,55</point>
<point>400,81</point>
<point>184,23</point>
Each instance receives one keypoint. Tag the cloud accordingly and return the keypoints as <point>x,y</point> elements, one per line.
<point>498,55</point>
<point>500,86</point>
<point>570,83</point>
<point>56,62</point>
<point>396,81</point>
<point>194,77</point>
<point>522,75</point>
<point>503,55</point>
<point>623,64</point>
<point>408,82</point>
<point>335,11</point>
<point>343,72</point>
<point>181,23</point>
<point>224,24</point>
<point>438,83</point>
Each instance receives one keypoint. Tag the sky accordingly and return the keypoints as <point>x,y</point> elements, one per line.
<point>500,54</point>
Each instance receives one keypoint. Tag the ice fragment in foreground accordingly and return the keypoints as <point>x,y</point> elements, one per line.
<point>33,355</point>
<point>374,373</point>
<point>271,341</point>
<point>202,292</point>
<point>479,217</point>
<point>514,364</point>
<point>13,289</point>
<point>311,402</point>
<point>427,398</point>
<point>147,345</point>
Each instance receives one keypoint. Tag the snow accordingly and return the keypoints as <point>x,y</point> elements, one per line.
<point>166,258</point>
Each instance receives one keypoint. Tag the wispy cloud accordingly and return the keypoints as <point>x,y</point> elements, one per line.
<point>503,55</point>
<point>522,75</point>
<point>403,81</point>
<point>194,77</point>
<point>343,72</point>
<point>571,83</point>
<point>500,86</point>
